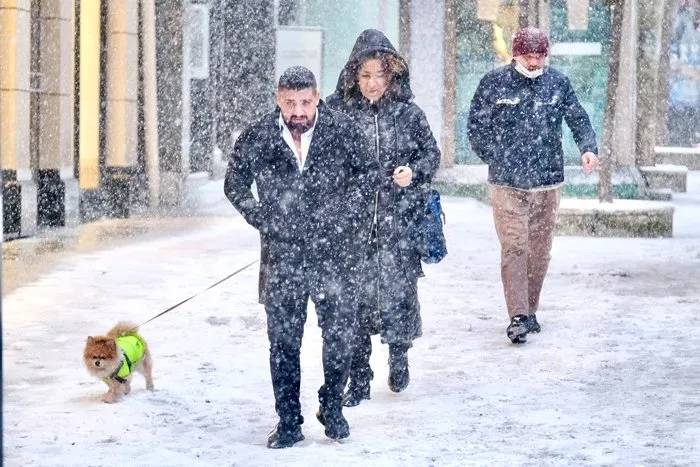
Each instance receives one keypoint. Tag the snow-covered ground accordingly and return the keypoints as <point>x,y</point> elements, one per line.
<point>613,379</point>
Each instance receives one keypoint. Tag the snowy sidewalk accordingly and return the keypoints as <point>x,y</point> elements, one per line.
<point>612,379</point>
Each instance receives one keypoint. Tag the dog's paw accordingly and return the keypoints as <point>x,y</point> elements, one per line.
<point>149,386</point>
<point>109,399</point>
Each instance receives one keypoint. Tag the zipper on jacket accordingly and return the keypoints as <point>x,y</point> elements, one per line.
<point>374,216</point>
<point>376,192</point>
<point>395,215</point>
<point>376,211</point>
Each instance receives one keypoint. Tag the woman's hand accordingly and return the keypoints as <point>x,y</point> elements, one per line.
<point>403,176</point>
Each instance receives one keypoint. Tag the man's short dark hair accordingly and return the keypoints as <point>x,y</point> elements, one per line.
<point>296,78</point>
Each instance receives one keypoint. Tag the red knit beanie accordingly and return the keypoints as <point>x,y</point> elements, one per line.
<point>530,41</point>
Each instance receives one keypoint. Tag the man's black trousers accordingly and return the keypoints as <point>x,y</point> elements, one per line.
<point>285,307</point>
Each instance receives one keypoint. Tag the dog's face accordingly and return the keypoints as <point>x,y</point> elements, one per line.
<point>101,356</point>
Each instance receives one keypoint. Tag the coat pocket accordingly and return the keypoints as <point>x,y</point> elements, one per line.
<point>507,111</point>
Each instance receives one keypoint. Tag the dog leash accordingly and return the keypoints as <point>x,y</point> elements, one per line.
<point>198,293</point>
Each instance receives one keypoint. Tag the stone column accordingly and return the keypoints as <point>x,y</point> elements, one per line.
<point>663,88</point>
<point>242,89</point>
<point>649,34</point>
<point>58,200</point>
<point>172,100</point>
<point>432,44</point>
<point>626,175</point>
<point>449,98</point>
<point>89,106</point>
<point>18,187</point>
<point>626,94</point>
<point>652,67</point>
<point>427,51</point>
<point>544,12</point>
<point>405,29</point>
<point>150,99</point>
<point>528,13</point>
<point>121,116</point>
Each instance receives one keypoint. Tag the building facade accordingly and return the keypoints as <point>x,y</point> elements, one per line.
<point>112,108</point>
<point>109,108</point>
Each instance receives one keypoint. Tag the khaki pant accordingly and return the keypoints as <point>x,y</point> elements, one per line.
<point>525,222</point>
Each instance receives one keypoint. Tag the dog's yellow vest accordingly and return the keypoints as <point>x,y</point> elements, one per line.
<point>133,348</point>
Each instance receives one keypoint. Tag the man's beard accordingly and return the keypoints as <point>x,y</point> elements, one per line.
<point>298,126</point>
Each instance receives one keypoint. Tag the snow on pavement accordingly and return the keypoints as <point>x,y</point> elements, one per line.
<point>612,379</point>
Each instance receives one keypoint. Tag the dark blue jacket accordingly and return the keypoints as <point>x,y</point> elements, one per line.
<point>515,126</point>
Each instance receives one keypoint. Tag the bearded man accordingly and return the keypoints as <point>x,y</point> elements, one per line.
<point>315,184</point>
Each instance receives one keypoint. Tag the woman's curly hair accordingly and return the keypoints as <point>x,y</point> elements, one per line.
<point>393,65</point>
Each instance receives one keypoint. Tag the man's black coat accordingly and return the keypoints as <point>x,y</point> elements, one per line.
<point>315,221</point>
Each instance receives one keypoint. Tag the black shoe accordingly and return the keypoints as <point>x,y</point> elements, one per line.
<point>336,425</point>
<point>356,393</point>
<point>284,437</point>
<point>532,323</point>
<point>358,389</point>
<point>518,328</point>
<point>398,369</point>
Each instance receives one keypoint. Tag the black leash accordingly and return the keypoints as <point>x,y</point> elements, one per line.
<point>198,293</point>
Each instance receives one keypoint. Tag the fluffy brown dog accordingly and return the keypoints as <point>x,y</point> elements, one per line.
<point>114,358</point>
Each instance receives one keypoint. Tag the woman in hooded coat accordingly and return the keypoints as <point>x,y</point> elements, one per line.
<point>374,90</point>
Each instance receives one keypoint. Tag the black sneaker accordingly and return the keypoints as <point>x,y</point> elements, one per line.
<point>284,437</point>
<point>518,328</point>
<point>532,323</point>
<point>356,393</point>
<point>334,421</point>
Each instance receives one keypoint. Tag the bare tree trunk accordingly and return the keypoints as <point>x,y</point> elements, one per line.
<point>605,183</point>
<point>528,13</point>
<point>405,29</point>
<point>669,12</point>
<point>523,19</point>
<point>449,100</point>
<point>647,80</point>
<point>543,13</point>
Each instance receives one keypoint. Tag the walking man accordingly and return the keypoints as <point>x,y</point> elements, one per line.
<point>315,183</point>
<point>515,126</point>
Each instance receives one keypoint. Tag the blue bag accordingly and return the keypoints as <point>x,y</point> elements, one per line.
<point>433,247</point>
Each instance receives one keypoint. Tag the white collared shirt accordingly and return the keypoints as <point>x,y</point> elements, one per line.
<point>305,140</point>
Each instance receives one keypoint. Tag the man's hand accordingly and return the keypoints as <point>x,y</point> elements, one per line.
<point>403,176</point>
<point>589,162</point>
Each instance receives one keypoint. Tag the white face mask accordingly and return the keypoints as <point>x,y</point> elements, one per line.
<point>527,73</point>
